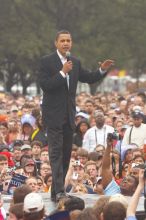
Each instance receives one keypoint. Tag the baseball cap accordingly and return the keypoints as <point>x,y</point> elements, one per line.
<point>125,127</point>
<point>83,115</point>
<point>4,147</point>
<point>17,143</point>
<point>137,108</point>
<point>26,147</point>
<point>29,119</point>
<point>137,114</point>
<point>33,202</point>
<point>125,148</point>
<point>14,108</point>
<point>28,162</point>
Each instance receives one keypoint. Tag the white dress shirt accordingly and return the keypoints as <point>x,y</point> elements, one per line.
<point>95,136</point>
<point>138,135</point>
<point>63,60</point>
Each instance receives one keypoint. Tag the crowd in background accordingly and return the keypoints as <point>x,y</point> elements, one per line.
<point>107,155</point>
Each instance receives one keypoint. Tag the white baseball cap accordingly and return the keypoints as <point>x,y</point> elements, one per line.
<point>119,198</point>
<point>33,202</point>
<point>29,119</point>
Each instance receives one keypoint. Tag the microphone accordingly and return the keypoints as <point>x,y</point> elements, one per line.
<point>68,55</point>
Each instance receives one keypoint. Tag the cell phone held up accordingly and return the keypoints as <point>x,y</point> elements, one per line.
<point>75,176</point>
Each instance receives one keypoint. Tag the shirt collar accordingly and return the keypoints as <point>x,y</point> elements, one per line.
<point>62,58</point>
<point>103,128</point>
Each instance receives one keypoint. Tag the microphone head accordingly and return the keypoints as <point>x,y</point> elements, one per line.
<point>68,54</point>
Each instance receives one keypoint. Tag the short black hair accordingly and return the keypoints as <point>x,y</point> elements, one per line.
<point>73,203</point>
<point>62,32</point>
<point>114,211</point>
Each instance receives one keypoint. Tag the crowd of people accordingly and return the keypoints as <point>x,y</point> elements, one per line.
<point>107,156</point>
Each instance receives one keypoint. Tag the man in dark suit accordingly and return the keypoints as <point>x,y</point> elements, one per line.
<point>58,79</point>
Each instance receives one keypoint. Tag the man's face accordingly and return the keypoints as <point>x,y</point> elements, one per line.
<point>137,122</point>
<point>127,186</point>
<point>80,171</point>
<point>82,159</point>
<point>100,150</point>
<point>89,107</point>
<point>134,172</point>
<point>44,156</point>
<point>3,165</point>
<point>3,130</point>
<point>26,152</point>
<point>83,127</point>
<point>17,155</point>
<point>32,183</point>
<point>29,168</point>
<point>36,150</point>
<point>100,120</point>
<point>92,171</point>
<point>64,43</point>
<point>139,160</point>
<point>45,169</point>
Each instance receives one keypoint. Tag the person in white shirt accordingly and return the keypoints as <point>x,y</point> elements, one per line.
<point>97,134</point>
<point>137,133</point>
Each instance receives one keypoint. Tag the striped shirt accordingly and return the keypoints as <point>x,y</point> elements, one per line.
<point>112,188</point>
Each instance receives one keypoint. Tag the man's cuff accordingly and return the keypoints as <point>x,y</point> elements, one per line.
<point>102,72</point>
<point>63,74</point>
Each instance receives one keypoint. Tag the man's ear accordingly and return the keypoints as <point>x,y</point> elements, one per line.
<point>101,216</point>
<point>55,43</point>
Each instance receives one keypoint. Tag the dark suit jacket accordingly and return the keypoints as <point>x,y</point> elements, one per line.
<point>58,100</point>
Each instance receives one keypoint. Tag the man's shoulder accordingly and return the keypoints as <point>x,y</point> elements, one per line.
<point>90,130</point>
<point>49,56</point>
<point>128,129</point>
<point>143,125</point>
<point>109,127</point>
<point>112,188</point>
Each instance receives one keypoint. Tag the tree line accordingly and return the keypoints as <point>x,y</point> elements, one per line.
<point>101,29</point>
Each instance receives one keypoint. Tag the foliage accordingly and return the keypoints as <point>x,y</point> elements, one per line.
<point>101,29</point>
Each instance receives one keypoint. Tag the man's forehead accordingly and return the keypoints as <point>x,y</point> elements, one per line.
<point>64,36</point>
<point>98,113</point>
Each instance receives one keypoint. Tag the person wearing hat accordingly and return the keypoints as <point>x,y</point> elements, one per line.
<point>33,207</point>
<point>135,134</point>
<point>82,115</point>
<point>26,150</point>
<point>29,167</point>
<point>28,126</point>
<point>4,148</point>
<point>14,112</point>
<point>121,135</point>
<point>81,129</point>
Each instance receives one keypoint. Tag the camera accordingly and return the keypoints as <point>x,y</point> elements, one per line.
<point>112,136</point>
<point>77,163</point>
<point>10,171</point>
<point>140,166</point>
<point>75,176</point>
